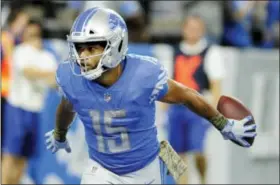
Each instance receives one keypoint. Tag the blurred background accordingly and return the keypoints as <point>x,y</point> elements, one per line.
<point>246,39</point>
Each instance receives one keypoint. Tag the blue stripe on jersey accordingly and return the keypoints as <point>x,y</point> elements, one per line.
<point>161,86</point>
<point>60,90</point>
<point>84,17</point>
<point>163,92</point>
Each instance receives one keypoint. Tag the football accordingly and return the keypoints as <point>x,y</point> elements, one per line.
<point>233,108</point>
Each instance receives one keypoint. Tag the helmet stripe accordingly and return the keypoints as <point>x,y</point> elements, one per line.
<point>80,21</point>
<point>94,10</point>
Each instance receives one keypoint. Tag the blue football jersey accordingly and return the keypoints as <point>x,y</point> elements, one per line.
<point>119,120</point>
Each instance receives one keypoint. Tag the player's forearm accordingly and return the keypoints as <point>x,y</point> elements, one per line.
<point>33,73</point>
<point>64,118</point>
<point>51,81</point>
<point>197,103</point>
<point>180,94</point>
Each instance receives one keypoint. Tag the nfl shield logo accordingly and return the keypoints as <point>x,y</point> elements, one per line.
<point>107,97</point>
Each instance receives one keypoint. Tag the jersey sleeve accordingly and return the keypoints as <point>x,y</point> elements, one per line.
<point>60,88</point>
<point>160,85</point>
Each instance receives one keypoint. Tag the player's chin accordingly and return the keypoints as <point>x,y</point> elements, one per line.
<point>89,68</point>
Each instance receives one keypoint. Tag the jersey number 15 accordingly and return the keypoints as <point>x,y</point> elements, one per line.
<point>110,130</point>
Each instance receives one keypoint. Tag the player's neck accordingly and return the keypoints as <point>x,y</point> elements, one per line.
<point>110,77</point>
<point>191,42</point>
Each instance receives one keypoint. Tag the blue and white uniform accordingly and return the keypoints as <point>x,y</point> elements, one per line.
<point>119,121</point>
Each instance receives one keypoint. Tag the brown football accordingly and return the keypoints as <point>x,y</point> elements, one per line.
<point>234,109</point>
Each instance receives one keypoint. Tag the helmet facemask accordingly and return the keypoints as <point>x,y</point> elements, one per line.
<point>80,65</point>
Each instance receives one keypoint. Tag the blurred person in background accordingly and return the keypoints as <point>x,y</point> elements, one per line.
<point>198,65</point>
<point>33,71</point>
<point>10,36</point>
<point>134,16</point>
<point>211,12</point>
<point>238,23</point>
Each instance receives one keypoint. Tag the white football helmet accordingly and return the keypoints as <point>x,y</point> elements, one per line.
<point>98,25</point>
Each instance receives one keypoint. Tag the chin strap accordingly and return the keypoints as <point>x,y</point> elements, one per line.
<point>91,75</point>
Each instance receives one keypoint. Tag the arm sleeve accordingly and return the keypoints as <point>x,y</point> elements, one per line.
<point>60,90</point>
<point>160,87</point>
<point>214,64</point>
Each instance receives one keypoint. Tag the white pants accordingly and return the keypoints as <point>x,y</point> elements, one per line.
<point>154,173</point>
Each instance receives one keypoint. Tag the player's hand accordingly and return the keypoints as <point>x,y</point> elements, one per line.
<point>54,145</point>
<point>236,130</point>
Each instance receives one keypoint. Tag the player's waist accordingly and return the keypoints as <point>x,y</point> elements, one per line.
<point>92,164</point>
<point>126,162</point>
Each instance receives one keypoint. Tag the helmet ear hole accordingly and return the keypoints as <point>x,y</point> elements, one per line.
<point>120,46</point>
<point>91,32</point>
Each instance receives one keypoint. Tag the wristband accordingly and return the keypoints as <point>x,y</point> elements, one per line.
<point>219,121</point>
<point>60,134</point>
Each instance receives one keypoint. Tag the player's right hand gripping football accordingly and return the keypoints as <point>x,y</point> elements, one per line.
<point>236,130</point>
<point>54,145</point>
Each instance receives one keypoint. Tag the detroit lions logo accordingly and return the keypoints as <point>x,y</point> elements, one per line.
<point>114,21</point>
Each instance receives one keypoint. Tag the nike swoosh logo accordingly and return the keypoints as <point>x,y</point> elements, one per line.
<point>150,182</point>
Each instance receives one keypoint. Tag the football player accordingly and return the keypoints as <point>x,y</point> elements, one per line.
<point>114,94</point>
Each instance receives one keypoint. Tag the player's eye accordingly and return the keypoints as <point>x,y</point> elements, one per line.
<point>92,48</point>
<point>79,48</point>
